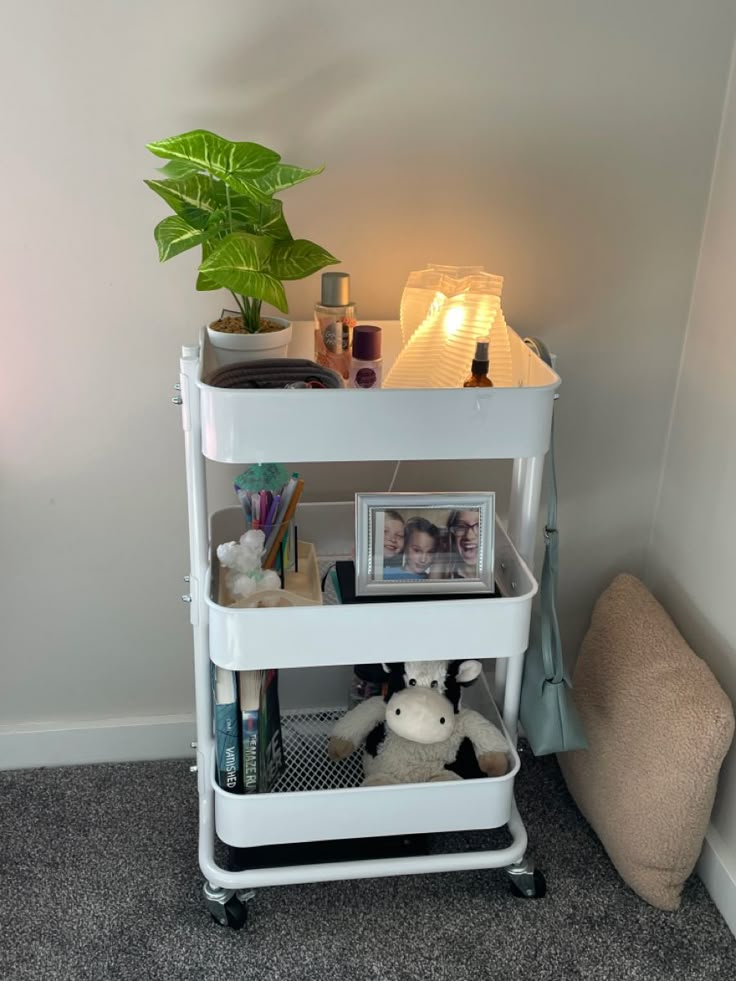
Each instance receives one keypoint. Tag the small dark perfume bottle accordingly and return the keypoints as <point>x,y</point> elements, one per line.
<point>478,377</point>
<point>366,364</point>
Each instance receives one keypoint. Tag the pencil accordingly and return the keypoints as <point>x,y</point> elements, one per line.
<point>288,515</point>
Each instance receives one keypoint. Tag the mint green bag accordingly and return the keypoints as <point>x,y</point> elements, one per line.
<point>547,712</point>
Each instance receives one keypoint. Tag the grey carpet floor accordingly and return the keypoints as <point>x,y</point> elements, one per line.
<point>99,880</point>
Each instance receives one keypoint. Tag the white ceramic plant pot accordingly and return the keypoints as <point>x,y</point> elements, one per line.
<point>231,348</point>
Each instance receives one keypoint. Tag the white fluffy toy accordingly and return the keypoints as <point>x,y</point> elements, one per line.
<point>242,560</point>
<point>416,734</point>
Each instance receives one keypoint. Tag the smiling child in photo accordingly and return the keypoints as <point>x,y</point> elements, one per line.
<point>421,543</point>
<point>393,539</point>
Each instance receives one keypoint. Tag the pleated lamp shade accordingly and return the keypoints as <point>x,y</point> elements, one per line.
<point>444,311</point>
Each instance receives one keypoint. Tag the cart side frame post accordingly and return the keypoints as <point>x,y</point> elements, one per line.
<point>526,493</point>
<point>198,561</point>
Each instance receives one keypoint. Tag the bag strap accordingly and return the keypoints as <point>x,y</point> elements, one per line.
<point>551,641</point>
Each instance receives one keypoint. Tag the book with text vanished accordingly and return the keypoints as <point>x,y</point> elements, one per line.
<point>227,728</point>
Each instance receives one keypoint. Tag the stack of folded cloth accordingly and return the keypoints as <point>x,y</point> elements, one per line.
<point>274,373</point>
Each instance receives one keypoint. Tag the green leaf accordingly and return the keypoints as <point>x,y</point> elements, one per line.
<point>274,223</point>
<point>297,259</point>
<point>174,235</point>
<point>204,282</point>
<point>207,194</point>
<point>198,218</point>
<point>242,249</point>
<point>282,176</point>
<point>246,213</point>
<point>238,263</point>
<point>195,190</point>
<point>256,217</point>
<point>176,169</point>
<point>238,164</point>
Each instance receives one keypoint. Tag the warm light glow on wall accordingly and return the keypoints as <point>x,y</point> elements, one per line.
<point>444,311</point>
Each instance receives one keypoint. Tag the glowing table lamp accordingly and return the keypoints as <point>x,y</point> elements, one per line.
<point>444,311</point>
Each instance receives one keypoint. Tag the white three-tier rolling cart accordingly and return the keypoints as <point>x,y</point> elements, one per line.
<point>317,800</point>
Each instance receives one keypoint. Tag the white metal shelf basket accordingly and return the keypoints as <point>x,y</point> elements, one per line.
<point>496,626</point>
<point>318,800</point>
<point>251,426</point>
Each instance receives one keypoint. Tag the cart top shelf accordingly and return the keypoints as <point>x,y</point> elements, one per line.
<point>248,426</point>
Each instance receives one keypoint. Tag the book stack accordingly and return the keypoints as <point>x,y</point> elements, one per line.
<point>249,752</point>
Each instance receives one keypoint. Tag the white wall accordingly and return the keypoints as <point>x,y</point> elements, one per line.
<point>690,565</point>
<point>568,146</point>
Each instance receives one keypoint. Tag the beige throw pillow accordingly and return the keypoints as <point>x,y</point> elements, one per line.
<point>658,726</point>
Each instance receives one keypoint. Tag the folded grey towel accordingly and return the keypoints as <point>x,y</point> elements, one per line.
<point>274,373</point>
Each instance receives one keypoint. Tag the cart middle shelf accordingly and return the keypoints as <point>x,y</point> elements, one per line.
<point>484,627</point>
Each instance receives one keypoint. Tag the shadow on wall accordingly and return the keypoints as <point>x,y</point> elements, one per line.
<point>271,82</point>
<point>717,652</point>
<point>449,170</point>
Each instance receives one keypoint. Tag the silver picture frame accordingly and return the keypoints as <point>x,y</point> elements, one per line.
<point>424,543</point>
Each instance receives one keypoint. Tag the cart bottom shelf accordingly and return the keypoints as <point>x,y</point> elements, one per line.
<point>319,800</point>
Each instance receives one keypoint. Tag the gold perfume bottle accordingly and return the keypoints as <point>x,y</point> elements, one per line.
<point>334,319</point>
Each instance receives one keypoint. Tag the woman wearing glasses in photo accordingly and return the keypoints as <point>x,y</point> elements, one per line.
<point>464,534</point>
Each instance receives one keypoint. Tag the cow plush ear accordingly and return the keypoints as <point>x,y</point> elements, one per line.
<point>393,678</point>
<point>468,671</point>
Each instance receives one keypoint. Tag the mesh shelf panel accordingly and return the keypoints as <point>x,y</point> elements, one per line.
<point>308,767</point>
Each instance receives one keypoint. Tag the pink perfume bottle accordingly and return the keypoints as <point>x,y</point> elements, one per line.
<point>334,319</point>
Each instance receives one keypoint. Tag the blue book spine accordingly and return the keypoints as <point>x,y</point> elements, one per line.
<point>227,734</point>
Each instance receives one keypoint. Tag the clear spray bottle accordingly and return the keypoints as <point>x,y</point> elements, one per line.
<point>334,319</point>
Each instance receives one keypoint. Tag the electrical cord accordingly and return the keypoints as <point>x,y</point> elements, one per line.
<point>327,573</point>
<point>393,479</point>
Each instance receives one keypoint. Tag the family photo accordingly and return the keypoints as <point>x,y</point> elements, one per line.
<point>425,543</point>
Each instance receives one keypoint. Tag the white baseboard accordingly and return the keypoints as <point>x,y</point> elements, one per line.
<point>717,870</point>
<point>99,741</point>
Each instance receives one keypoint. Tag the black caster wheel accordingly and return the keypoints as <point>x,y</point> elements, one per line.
<point>233,914</point>
<point>227,907</point>
<point>532,886</point>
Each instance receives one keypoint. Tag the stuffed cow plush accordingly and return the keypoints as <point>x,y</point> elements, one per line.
<point>417,731</point>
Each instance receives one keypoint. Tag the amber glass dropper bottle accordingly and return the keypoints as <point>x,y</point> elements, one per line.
<point>478,377</point>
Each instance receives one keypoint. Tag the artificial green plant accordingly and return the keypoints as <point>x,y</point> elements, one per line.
<point>222,195</point>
